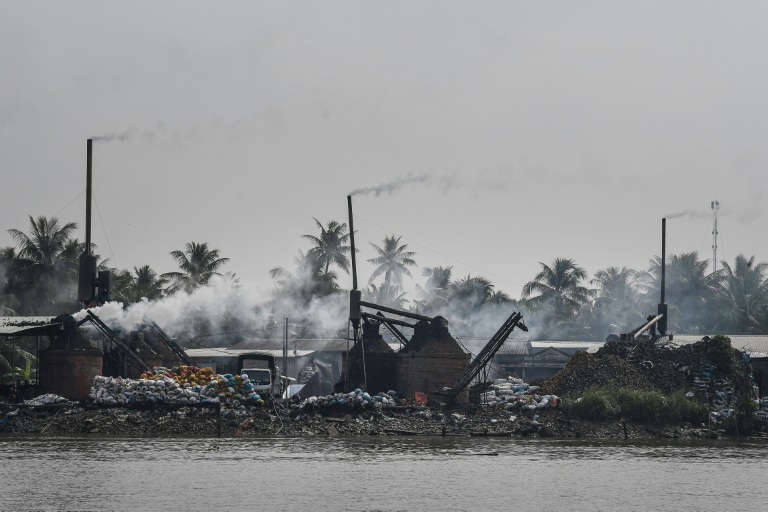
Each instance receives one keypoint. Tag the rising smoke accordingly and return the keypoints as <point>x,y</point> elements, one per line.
<point>130,135</point>
<point>691,214</point>
<point>218,313</point>
<point>391,187</point>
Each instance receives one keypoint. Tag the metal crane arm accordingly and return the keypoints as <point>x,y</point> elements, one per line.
<point>485,355</point>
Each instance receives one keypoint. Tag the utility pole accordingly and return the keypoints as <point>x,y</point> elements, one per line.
<point>715,208</point>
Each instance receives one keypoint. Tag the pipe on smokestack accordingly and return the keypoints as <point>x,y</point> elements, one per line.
<point>663,258</point>
<point>352,243</point>
<point>354,293</point>
<point>662,311</point>
<point>88,195</point>
<point>87,265</point>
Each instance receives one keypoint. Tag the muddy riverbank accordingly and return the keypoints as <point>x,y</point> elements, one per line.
<point>279,420</point>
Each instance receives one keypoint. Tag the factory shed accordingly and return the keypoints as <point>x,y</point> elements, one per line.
<point>755,346</point>
<point>29,326</point>
<point>24,335</point>
<point>301,354</point>
<point>528,359</point>
<point>431,360</point>
<point>224,360</point>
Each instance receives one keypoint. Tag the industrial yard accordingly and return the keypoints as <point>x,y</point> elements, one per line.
<point>94,375</point>
<point>703,372</point>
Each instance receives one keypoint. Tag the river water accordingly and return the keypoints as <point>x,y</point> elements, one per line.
<point>386,473</point>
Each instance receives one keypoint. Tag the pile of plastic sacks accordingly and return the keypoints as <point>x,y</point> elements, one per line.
<point>47,400</point>
<point>513,393</point>
<point>181,374</point>
<point>352,399</point>
<point>182,385</point>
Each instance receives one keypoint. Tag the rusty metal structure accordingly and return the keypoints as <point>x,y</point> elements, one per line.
<point>656,325</point>
<point>93,286</point>
<point>484,356</point>
<point>67,366</point>
<point>430,361</point>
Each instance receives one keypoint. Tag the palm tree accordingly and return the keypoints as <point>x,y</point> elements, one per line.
<point>147,283</point>
<point>46,263</point>
<point>197,264</point>
<point>471,292</point>
<point>385,296</point>
<point>330,247</point>
<point>11,349</point>
<point>121,284</point>
<point>433,296</point>
<point>746,293</point>
<point>308,281</point>
<point>691,293</point>
<point>142,283</point>
<point>616,307</point>
<point>393,261</point>
<point>559,286</point>
<point>500,298</point>
<point>9,303</point>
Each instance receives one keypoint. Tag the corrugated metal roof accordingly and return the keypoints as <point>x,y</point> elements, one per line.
<point>28,325</point>
<point>201,353</point>
<point>755,346</point>
<point>750,344</point>
<point>521,347</point>
<point>570,346</point>
<point>510,347</point>
<point>315,345</point>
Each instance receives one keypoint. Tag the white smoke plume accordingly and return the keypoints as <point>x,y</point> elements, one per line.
<point>692,214</point>
<point>130,135</point>
<point>391,187</point>
<point>221,307</point>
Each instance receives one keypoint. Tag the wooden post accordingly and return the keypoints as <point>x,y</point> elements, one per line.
<point>218,419</point>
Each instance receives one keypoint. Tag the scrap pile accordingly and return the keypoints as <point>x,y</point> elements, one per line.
<point>708,369</point>
<point>305,374</point>
<point>48,399</point>
<point>181,374</point>
<point>513,393</point>
<point>181,385</point>
<point>585,371</point>
<point>356,398</point>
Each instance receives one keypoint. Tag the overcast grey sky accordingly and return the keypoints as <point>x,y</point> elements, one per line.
<point>547,129</point>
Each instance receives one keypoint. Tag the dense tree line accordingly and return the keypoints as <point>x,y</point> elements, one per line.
<point>39,277</point>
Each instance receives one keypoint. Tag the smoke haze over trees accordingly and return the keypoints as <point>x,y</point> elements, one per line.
<point>204,307</point>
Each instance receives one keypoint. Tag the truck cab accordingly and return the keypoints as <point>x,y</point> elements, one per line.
<point>263,373</point>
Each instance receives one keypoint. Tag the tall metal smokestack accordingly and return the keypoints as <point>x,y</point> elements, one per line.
<point>663,258</point>
<point>352,243</point>
<point>662,309</point>
<point>354,294</point>
<point>86,286</point>
<point>715,207</point>
<point>88,195</point>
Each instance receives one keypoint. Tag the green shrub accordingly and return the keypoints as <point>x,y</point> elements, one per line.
<point>745,412</point>
<point>609,403</point>
<point>722,354</point>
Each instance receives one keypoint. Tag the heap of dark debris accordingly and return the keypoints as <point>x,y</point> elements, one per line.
<point>642,365</point>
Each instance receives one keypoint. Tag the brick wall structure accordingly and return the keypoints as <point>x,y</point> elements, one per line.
<point>431,360</point>
<point>69,373</point>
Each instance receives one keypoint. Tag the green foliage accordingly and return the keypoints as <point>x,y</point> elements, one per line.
<point>610,403</point>
<point>197,264</point>
<point>557,296</point>
<point>22,374</point>
<point>331,248</point>
<point>721,354</point>
<point>745,412</point>
<point>392,262</point>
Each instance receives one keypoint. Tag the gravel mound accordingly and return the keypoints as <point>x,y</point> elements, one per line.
<point>585,371</point>
<point>644,365</point>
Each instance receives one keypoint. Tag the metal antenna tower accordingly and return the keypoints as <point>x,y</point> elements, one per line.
<point>715,208</point>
